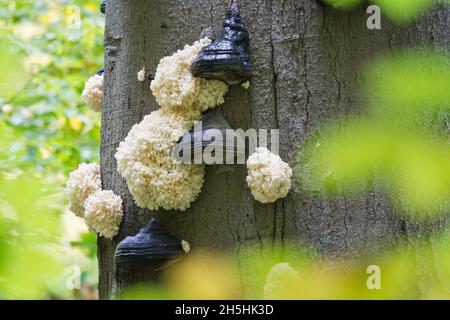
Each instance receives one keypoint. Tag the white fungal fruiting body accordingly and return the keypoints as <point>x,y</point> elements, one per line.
<point>144,159</point>
<point>93,92</point>
<point>269,177</point>
<point>176,89</point>
<point>82,183</point>
<point>104,213</point>
<point>280,279</point>
<point>186,246</point>
<point>246,85</point>
<point>141,75</point>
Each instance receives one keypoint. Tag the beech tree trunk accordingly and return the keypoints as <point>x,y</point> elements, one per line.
<point>307,60</point>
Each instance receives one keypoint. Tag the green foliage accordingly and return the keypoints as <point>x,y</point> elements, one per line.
<point>48,49</point>
<point>401,140</point>
<point>342,4</point>
<point>397,10</point>
<point>29,228</point>
<point>88,244</point>
<point>303,276</point>
<point>408,83</point>
<point>404,10</point>
<point>59,51</point>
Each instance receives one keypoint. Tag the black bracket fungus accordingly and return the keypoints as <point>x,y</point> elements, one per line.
<point>140,258</point>
<point>227,59</point>
<point>152,244</point>
<point>214,135</point>
<point>103,7</point>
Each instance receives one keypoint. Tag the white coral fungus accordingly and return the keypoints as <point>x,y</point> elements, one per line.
<point>177,89</point>
<point>279,280</point>
<point>269,177</point>
<point>246,85</point>
<point>93,92</point>
<point>104,213</point>
<point>144,159</point>
<point>82,183</point>
<point>141,75</point>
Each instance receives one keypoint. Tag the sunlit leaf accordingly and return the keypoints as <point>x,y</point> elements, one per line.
<point>413,165</point>
<point>403,10</point>
<point>404,83</point>
<point>343,3</point>
<point>13,77</point>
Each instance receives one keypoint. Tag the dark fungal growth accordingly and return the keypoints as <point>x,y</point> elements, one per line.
<point>213,135</point>
<point>151,244</point>
<point>139,259</point>
<point>103,7</point>
<point>227,59</point>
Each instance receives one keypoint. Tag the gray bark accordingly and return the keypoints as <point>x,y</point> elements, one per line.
<point>307,67</point>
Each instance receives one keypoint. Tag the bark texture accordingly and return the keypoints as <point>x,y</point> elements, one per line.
<point>308,60</point>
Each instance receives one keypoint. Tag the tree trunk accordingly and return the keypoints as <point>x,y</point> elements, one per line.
<point>307,65</point>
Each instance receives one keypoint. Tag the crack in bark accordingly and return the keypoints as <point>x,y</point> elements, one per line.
<point>283,226</point>
<point>274,88</point>
<point>211,16</point>
<point>227,208</point>
<point>261,246</point>
<point>305,79</point>
<point>346,215</point>
<point>334,71</point>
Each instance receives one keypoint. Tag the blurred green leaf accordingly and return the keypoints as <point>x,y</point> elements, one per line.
<point>414,166</point>
<point>403,10</point>
<point>343,4</point>
<point>400,11</point>
<point>13,77</point>
<point>404,83</point>
<point>48,48</point>
<point>395,142</point>
<point>87,243</point>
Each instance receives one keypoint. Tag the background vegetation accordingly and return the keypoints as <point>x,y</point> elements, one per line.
<point>47,51</point>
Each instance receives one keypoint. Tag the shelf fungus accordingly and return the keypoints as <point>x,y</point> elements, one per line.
<point>211,141</point>
<point>82,183</point>
<point>144,160</point>
<point>269,177</point>
<point>92,94</point>
<point>227,59</point>
<point>151,249</point>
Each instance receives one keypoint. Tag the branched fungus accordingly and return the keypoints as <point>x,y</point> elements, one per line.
<point>153,177</point>
<point>177,90</point>
<point>82,183</point>
<point>93,92</point>
<point>141,75</point>
<point>269,177</point>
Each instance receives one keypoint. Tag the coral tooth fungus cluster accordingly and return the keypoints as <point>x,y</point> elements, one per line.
<point>93,92</point>
<point>102,210</point>
<point>269,177</point>
<point>154,178</point>
<point>104,213</point>
<point>144,159</point>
